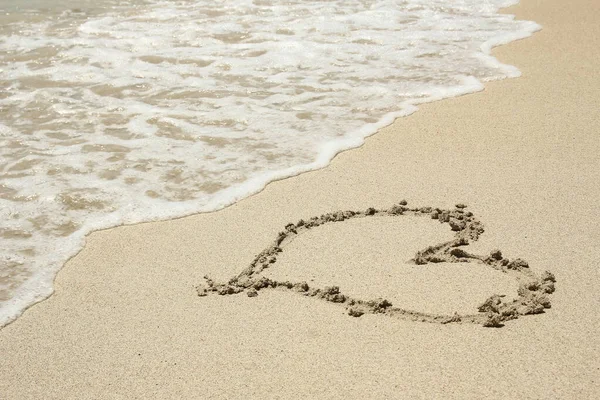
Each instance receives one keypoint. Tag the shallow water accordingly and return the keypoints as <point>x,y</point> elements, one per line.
<point>118,112</point>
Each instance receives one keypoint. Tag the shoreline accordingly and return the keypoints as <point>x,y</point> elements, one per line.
<point>125,321</point>
<point>39,286</point>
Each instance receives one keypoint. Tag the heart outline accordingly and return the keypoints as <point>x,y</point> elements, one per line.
<point>493,312</point>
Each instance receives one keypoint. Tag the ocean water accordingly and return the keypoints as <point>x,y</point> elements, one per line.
<point>115,112</point>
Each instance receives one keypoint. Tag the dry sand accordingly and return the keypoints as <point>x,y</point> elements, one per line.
<point>126,321</point>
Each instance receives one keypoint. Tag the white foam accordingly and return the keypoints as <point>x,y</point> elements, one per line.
<point>119,114</point>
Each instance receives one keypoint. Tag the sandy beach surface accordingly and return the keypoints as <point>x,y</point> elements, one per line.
<point>126,322</point>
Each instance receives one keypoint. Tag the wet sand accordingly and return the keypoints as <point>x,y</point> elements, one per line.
<point>126,320</point>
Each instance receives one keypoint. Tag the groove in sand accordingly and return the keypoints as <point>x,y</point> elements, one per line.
<point>533,292</point>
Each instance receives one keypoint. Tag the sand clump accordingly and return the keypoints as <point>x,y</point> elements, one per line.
<point>532,295</point>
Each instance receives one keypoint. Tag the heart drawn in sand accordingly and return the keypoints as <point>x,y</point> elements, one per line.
<point>533,292</point>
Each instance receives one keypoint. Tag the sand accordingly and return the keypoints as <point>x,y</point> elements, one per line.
<point>126,320</point>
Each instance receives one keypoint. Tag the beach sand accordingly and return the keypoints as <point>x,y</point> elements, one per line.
<point>524,155</point>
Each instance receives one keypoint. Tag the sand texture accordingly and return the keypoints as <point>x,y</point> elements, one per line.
<point>127,322</point>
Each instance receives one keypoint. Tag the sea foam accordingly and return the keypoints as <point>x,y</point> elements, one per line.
<point>115,114</point>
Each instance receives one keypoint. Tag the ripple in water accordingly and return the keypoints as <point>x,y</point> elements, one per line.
<point>113,114</point>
